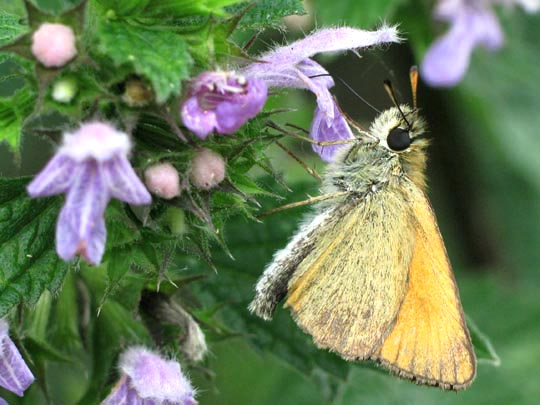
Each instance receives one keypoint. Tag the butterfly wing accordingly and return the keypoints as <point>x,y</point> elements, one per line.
<point>272,287</point>
<point>347,291</point>
<point>429,342</point>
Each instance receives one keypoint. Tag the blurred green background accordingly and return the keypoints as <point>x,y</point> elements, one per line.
<point>484,177</point>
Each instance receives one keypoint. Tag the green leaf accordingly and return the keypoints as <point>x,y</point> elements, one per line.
<point>13,112</point>
<point>10,27</point>
<point>187,8</point>
<point>267,13</point>
<point>123,7</point>
<point>28,261</point>
<point>485,353</point>
<point>160,56</point>
<point>65,320</point>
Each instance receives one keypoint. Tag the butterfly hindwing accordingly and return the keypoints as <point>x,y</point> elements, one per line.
<point>429,342</point>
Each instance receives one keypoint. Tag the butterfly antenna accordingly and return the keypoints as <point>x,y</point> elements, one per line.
<point>390,90</point>
<point>351,90</point>
<point>413,77</point>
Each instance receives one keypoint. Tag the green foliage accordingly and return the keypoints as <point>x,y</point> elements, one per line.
<point>267,13</point>
<point>10,27</point>
<point>13,111</point>
<point>161,57</point>
<point>28,263</point>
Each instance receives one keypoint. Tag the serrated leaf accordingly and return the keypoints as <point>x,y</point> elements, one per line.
<point>124,7</point>
<point>268,13</point>
<point>13,112</point>
<point>10,27</point>
<point>160,56</point>
<point>187,8</point>
<point>28,260</point>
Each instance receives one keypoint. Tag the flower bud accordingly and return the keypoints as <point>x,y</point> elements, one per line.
<point>137,93</point>
<point>54,44</point>
<point>207,169</point>
<point>163,180</point>
<point>175,219</point>
<point>64,90</point>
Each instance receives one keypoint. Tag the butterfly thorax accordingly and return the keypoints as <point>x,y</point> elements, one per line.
<point>371,164</point>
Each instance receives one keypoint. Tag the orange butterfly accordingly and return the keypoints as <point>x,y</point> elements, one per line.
<point>367,275</point>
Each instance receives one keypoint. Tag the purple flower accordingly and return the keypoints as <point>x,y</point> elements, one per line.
<point>321,131</point>
<point>472,23</point>
<point>222,101</point>
<point>15,375</point>
<point>91,167</point>
<point>148,379</point>
<point>291,66</point>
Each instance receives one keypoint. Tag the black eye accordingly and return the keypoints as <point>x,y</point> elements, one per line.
<point>398,139</point>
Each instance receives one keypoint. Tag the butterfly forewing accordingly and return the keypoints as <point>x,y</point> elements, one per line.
<point>345,303</point>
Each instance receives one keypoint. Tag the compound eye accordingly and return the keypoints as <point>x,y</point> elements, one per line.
<point>398,139</point>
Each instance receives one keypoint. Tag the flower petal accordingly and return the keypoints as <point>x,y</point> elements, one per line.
<point>310,68</point>
<point>122,182</point>
<point>231,115</point>
<point>322,132</point>
<point>330,40</point>
<point>200,122</point>
<point>15,375</point>
<point>446,62</point>
<point>81,227</point>
<point>55,178</point>
<point>325,101</point>
<point>155,378</point>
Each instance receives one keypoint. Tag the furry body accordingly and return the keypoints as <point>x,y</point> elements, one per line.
<point>367,275</point>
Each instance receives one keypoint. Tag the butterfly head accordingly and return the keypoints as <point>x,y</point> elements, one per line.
<point>400,130</point>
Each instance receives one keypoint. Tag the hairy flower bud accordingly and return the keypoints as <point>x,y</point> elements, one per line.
<point>54,44</point>
<point>137,93</point>
<point>163,180</point>
<point>207,169</point>
<point>64,90</point>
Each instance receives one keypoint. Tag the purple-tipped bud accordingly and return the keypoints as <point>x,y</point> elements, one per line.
<point>163,180</point>
<point>147,378</point>
<point>54,44</point>
<point>15,375</point>
<point>207,169</point>
<point>91,167</point>
<point>222,101</point>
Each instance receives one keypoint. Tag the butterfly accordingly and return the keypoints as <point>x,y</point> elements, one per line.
<point>367,274</point>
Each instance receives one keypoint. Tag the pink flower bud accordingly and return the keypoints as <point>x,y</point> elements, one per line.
<point>54,44</point>
<point>207,169</point>
<point>162,180</point>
